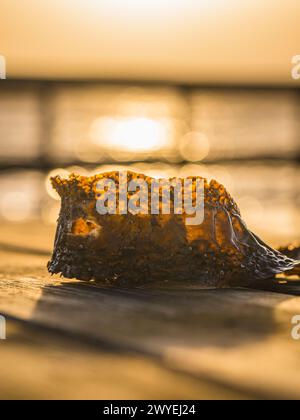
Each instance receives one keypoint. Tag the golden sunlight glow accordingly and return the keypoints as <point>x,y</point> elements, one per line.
<point>50,212</point>
<point>132,134</point>
<point>139,8</point>
<point>190,41</point>
<point>194,146</point>
<point>16,206</point>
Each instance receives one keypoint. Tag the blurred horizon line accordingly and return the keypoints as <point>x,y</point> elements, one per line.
<point>155,83</point>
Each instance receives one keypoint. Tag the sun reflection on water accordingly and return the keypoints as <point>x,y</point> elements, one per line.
<point>130,134</point>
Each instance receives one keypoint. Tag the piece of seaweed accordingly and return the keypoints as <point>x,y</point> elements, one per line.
<point>140,249</point>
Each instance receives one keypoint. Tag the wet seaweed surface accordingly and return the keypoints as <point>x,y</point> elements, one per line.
<point>145,249</point>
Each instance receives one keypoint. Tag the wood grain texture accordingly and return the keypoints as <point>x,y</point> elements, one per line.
<point>235,339</point>
<point>40,363</point>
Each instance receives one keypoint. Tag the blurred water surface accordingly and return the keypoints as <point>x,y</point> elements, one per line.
<point>247,139</point>
<point>268,195</point>
<point>96,123</point>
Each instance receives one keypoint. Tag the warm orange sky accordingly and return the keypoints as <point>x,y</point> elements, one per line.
<point>215,41</point>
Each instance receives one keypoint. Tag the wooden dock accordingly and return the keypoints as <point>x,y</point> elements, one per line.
<point>68,339</point>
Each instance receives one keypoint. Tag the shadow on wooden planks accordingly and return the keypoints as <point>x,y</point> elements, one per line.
<point>238,338</point>
<point>150,320</point>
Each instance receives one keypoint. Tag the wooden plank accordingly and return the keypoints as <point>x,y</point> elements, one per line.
<point>238,338</point>
<point>41,364</point>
